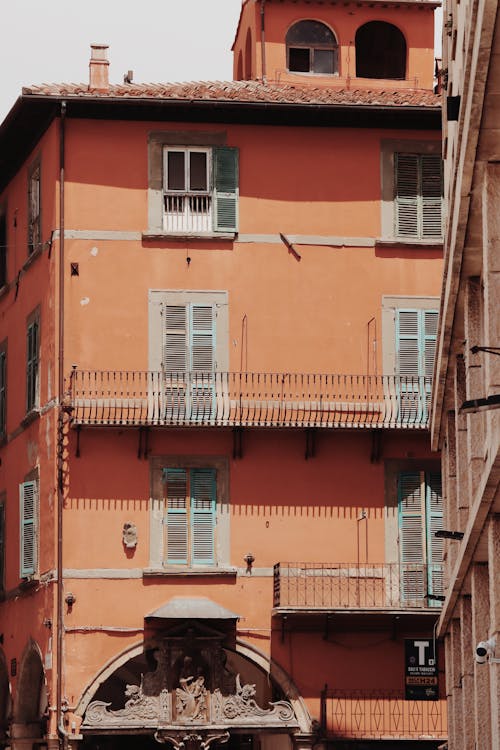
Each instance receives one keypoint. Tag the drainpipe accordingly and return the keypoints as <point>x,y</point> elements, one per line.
<point>263,40</point>
<point>60,435</point>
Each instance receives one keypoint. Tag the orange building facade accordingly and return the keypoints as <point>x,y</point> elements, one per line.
<point>217,327</point>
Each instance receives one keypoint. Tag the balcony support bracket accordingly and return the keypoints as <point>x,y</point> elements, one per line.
<point>376,447</point>
<point>237,442</point>
<point>310,443</point>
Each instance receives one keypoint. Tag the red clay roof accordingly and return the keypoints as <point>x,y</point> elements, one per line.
<point>245,92</point>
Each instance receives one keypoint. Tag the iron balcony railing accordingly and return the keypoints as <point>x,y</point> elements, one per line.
<point>354,586</point>
<point>381,714</point>
<point>243,399</point>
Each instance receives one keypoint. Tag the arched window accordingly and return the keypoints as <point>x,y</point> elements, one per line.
<point>248,56</point>
<point>380,51</point>
<point>239,67</point>
<point>311,47</point>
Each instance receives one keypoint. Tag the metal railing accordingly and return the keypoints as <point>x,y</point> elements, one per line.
<point>188,212</point>
<point>381,714</point>
<point>243,399</point>
<point>356,586</point>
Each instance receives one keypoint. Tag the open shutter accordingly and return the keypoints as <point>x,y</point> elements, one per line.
<point>175,360</point>
<point>225,162</point>
<point>203,516</point>
<point>32,366</point>
<point>176,520</point>
<point>434,522</point>
<point>431,188</point>
<point>28,502</point>
<point>202,359</point>
<point>411,548</point>
<point>428,339</point>
<point>407,189</point>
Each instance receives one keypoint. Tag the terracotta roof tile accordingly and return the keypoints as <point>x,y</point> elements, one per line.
<point>245,92</point>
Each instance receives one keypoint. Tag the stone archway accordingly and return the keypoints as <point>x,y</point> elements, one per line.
<point>201,694</point>
<point>30,702</point>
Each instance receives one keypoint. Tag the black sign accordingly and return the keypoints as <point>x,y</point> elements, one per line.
<point>421,673</point>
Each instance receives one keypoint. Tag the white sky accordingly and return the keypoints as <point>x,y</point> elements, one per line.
<point>45,41</point>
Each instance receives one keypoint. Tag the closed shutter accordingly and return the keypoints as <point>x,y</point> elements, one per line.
<point>431,181</point>
<point>407,189</point>
<point>411,547</point>
<point>202,359</point>
<point>434,522</point>
<point>418,195</point>
<point>28,508</point>
<point>225,164</point>
<point>176,520</point>
<point>175,360</point>
<point>408,364</point>
<point>203,510</point>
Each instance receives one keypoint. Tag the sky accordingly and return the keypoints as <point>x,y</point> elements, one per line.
<point>46,41</point>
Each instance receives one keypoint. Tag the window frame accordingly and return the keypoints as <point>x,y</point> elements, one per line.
<point>158,141</point>
<point>312,47</point>
<point>33,364</point>
<point>3,246</point>
<point>34,222</point>
<point>3,558</point>
<point>157,561</point>
<point>389,149</point>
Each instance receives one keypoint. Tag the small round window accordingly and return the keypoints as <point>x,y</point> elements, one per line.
<point>311,47</point>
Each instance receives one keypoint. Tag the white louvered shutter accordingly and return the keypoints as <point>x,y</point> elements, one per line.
<point>408,363</point>
<point>176,519</point>
<point>203,516</point>
<point>411,541</point>
<point>175,359</point>
<point>202,359</point>
<point>28,510</point>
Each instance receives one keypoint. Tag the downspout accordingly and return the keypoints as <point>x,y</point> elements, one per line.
<point>263,40</point>
<point>60,437</point>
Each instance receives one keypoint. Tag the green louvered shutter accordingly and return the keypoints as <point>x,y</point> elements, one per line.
<point>411,545</point>
<point>407,189</point>
<point>176,520</point>
<point>428,338</point>
<point>434,522</point>
<point>202,359</point>
<point>431,189</point>
<point>28,506</point>
<point>225,163</point>
<point>175,359</point>
<point>203,510</point>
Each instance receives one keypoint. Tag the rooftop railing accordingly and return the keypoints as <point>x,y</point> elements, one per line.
<point>244,399</point>
<point>381,714</point>
<point>352,586</point>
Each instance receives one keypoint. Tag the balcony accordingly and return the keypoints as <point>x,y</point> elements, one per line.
<point>302,587</point>
<point>243,399</point>
<point>379,714</point>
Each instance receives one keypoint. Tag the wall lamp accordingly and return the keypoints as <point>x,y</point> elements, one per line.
<point>443,534</point>
<point>481,404</point>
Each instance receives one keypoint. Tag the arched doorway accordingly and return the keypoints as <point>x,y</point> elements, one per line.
<point>30,702</point>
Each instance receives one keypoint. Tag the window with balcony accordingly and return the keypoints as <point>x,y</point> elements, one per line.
<point>311,47</point>
<point>420,514</point>
<point>32,363</point>
<point>28,515</point>
<point>34,212</point>
<point>190,514</point>
<point>189,344</point>
<point>380,51</point>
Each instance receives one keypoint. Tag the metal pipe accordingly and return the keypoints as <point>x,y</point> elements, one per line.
<point>263,40</point>
<point>60,427</point>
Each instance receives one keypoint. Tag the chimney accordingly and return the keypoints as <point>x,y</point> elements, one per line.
<point>98,67</point>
